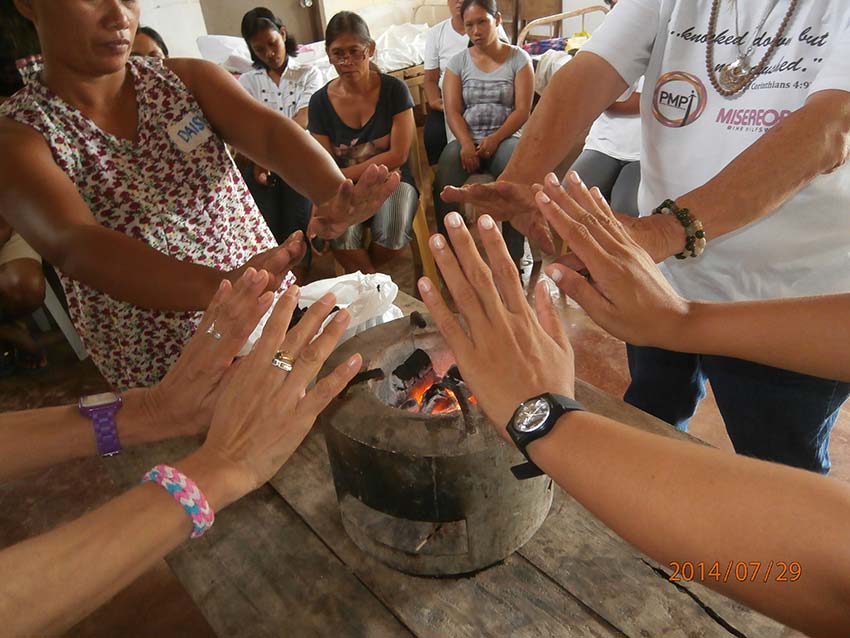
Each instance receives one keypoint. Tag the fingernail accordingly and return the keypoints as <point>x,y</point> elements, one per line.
<point>256,276</point>
<point>438,242</point>
<point>328,299</point>
<point>425,285</point>
<point>293,290</point>
<point>543,198</point>
<point>486,222</point>
<point>574,178</point>
<point>554,274</point>
<point>597,194</point>
<point>341,315</point>
<point>553,179</point>
<point>221,284</point>
<point>453,220</point>
<point>356,361</point>
<point>297,233</point>
<point>265,298</point>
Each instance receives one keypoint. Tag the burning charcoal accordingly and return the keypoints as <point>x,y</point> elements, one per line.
<point>453,374</point>
<point>410,405</point>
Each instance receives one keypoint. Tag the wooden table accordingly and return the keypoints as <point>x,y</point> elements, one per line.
<point>278,563</point>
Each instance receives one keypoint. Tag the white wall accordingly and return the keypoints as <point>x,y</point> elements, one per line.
<point>179,22</point>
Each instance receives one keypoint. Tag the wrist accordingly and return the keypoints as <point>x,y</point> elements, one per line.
<point>221,482</point>
<point>137,420</point>
<point>544,451</point>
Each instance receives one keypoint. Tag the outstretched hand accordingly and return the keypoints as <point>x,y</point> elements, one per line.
<point>625,293</point>
<point>353,203</point>
<point>505,201</point>
<point>276,261</point>
<point>507,353</point>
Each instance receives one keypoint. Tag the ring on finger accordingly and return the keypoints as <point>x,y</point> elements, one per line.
<point>211,331</point>
<point>283,360</point>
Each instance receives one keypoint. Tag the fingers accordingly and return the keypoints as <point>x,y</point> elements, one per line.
<point>548,315</point>
<point>298,338</point>
<point>329,387</point>
<point>581,291</point>
<point>275,330</point>
<point>504,271</point>
<point>313,356</point>
<point>296,246</point>
<point>462,291</point>
<point>581,206</point>
<point>447,322</point>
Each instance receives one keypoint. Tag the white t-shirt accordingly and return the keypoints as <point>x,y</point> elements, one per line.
<point>617,136</point>
<point>293,93</point>
<point>443,43</point>
<point>690,133</point>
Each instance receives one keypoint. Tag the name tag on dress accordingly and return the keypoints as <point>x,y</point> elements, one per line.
<point>189,133</point>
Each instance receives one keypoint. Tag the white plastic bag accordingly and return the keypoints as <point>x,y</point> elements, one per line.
<point>369,299</point>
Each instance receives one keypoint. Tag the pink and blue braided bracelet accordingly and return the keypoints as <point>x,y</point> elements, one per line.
<point>186,492</point>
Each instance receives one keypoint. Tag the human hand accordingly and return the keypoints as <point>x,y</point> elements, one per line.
<point>487,147</point>
<point>353,203</point>
<point>626,294</point>
<point>469,158</point>
<point>276,261</point>
<point>261,175</point>
<point>263,412</point>
<point>182,403</point>
<point>507,353</point>
<point>506,201</point>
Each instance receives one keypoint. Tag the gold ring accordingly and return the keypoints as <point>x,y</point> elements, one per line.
<point>283,360</point>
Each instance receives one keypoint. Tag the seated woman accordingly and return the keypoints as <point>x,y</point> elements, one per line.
<point>287,88</point>
<point>487,92</point>
<point>115,170</point>
<point>362,117</point>
<point>148,42</point>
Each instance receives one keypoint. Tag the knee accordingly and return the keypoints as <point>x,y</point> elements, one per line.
<point>22,286</point>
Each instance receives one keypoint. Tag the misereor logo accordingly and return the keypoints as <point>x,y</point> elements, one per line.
<point>679,99</point>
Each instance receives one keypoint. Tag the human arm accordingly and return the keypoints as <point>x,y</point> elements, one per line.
<point>523,94</point>
<point>629,106</point>
<point>453,108</point>
<point>281,145</point>
<point>629,297</point>
<point>648,488</point>
<point>432,89</point>
<point>401,137</point>
<point>431,63</point>
<point>250,437</point>
<point>181,404</point>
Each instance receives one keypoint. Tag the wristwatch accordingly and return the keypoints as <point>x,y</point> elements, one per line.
<point>533,419</point>
<point>101,409</point>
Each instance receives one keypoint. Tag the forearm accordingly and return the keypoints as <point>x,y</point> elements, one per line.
<point>31,440</point>
<point>131,271</point>
<point>100,553</point>
<point>651,490</point>
<point>806,144</point>
<point>564,112</point>
<point>392,160</point>
<point>304,164</point>
<point>511,125</point>
<point>459,127</point>
<point>432,93</point>
<point>629,106</point>
<point>809,335</point>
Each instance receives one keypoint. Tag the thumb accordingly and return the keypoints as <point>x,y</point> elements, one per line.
<point>577,288</point>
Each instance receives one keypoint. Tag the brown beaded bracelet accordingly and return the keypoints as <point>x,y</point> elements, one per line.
<point>694,234</point>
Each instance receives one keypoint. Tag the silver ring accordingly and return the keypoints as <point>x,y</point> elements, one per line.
<point>283,360</point>
<point>211,331</point>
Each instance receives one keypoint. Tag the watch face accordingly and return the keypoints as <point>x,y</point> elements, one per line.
<point>532,415</point>
<point>98,400</point>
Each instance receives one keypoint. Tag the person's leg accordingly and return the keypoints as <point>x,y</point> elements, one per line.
<point>450,172</point>
<point>22,288</point>
<point>776,415</point>
<point>349,252</point>
<point>435,135</point>
<point>268,200</point>
<point>597,169</point>
<point>514,240</point>
<point>296,215</point>
<point>392,225</point>
<point>624,195</point>
<point>666,384</point>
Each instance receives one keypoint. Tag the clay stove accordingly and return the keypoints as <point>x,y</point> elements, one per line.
<point>428,494</point>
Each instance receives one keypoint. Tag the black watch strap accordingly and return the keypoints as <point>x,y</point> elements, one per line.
<point>561,405</point>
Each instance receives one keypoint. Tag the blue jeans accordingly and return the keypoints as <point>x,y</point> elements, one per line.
<point>771,414</point>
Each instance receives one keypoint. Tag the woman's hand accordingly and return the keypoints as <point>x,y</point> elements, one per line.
<point>626,294</point>
<point>182,403</point>
<point>261,175</point>
<point>506,352</point>
<point>263,413</point>
<point>276,261</point>
<point>487,147</point>
<point>469,157</point>
<point>353,203</point>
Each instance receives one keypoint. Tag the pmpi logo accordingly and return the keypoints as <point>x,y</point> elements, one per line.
<point>679,99</point>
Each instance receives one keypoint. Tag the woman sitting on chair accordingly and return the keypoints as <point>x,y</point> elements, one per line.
<point>487,92</point>
<point>361,118</point>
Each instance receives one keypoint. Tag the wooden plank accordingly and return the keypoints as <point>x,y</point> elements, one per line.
<point>510,599</point>
<point>261,572</point>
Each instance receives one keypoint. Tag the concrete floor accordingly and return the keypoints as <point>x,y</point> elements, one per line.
<point>156,604</point>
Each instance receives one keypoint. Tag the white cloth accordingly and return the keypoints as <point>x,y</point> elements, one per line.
<point>293,92</point>
<point>690,133</point>
<point>617,136</point>
<point>443,43</point>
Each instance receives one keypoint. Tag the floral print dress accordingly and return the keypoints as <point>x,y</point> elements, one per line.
<point>176,188</point>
